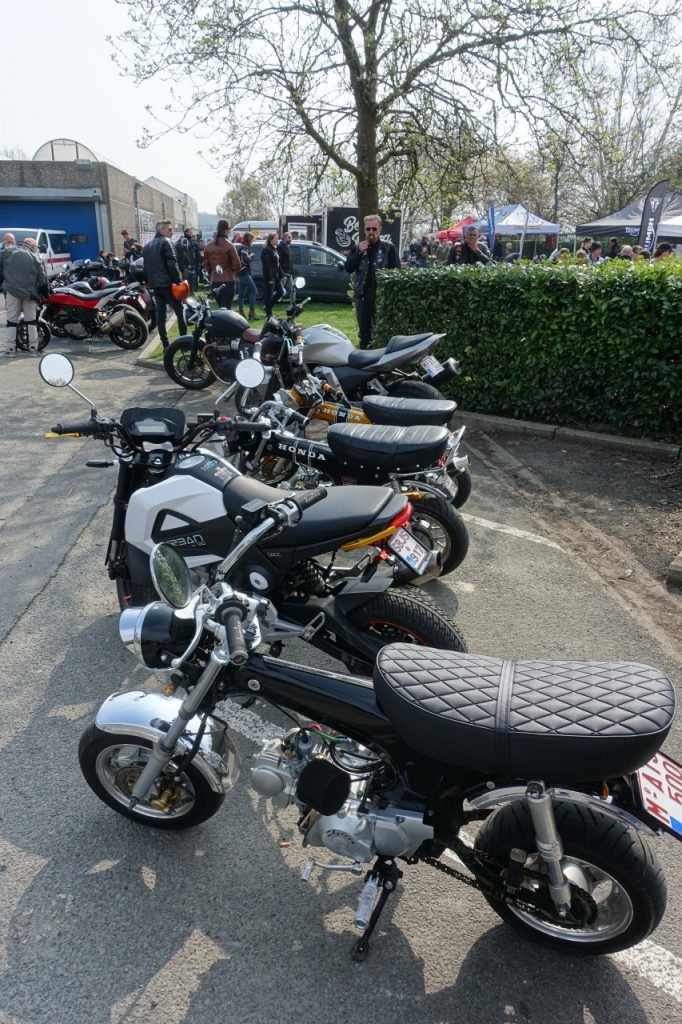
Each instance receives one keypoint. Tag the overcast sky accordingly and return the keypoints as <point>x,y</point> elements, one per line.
<point>58,81</point>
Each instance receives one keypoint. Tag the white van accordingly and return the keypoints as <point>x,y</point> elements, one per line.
<point>53,246</point>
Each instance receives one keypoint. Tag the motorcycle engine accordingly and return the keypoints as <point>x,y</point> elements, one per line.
<point>336,813</point>
<point>75,328</point>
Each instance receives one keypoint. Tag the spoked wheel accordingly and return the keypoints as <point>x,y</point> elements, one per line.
<point>619,895</point>
<point>112,763</point>
<point>132,333</point>
<point>193,374</point>
<point>396,617</point>
<point>438,525</point>
<point>44,335</point>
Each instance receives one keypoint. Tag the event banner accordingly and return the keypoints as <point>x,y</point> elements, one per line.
<point>651,215</point>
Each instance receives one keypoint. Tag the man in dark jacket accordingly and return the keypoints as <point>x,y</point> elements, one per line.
<point>471,252</point>
<point>187,252</point>
<point>285,281</point>
<point>23,281</point>
<point>161,271</point>
<point>371,255</point>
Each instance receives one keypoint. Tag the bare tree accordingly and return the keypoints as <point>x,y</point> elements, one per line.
<point>13,153</point>
<point>367,81</point>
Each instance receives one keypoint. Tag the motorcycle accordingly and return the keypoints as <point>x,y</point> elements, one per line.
<point>414,461</point>
<point>76,313</point>
<point>133,294</point>
<point>170,488</point>
<point>558,763</point>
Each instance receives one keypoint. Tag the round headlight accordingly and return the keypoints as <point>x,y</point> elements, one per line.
<point>156,633</point>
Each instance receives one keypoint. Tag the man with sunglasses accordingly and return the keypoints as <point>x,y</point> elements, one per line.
<point>371,255</point>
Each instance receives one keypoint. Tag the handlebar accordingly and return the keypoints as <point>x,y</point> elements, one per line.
<point>309,498</point>
<point>232,613</point>
<point>79,429</point>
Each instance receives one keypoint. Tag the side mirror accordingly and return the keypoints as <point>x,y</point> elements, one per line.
<point>170,575</point>
<point>56,370</point>
<point>249,373</point>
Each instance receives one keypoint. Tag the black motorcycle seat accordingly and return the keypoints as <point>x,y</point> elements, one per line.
<point>400,341</point>
<point>395,449</point>
<point>408,412</point>
<point>109,290</point>
<point>574,721</point>
<point>363,358</point>
<point>345,512</point>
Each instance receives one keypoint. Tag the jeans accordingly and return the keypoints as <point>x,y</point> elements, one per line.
<point>248,291</point>
<point>163,297</point>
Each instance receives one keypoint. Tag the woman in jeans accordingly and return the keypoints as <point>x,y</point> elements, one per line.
<point>245,283</point>
<point>270,260</point>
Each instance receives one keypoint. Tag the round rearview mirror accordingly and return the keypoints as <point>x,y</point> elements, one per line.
<point>56,370</point>
<point>249,373</point>
<point>170,575</point>
<point>299,282</point>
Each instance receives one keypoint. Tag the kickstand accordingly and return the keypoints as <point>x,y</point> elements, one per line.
<point>387,875</point>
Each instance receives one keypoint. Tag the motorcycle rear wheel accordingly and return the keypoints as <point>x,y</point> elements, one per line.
<point>462,479</point>
<point>399,617</point>
<point>437,524</point>
<point>415,389</point>
<point>111,764</point>
<point>176,364</point>
<point>133,332</point>
<point>624,876</point>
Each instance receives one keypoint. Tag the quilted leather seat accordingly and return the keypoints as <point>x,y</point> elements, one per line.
<point>573,721</point>
<point>408,412</point>
<point>394,449</point>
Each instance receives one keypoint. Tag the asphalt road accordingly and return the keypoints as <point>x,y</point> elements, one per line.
<point>103,922</point>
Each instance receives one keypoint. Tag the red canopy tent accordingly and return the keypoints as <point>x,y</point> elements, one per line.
<point>454,234</point>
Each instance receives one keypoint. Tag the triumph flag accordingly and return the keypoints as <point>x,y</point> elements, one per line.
<point>651,215</point>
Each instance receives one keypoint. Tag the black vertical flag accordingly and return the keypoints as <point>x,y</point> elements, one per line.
<point>651,214</point>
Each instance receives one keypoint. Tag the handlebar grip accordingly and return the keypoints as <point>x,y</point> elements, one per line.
<point>83,429</point>
<point>232,616</point>
<point>309,498</point>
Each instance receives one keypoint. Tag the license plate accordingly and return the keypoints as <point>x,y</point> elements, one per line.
<point>431,365</point>
<point>660,787</point>
<point>449,484</point>
<point>409,550</point>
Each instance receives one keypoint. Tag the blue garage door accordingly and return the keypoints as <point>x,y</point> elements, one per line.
<point>79,220</point>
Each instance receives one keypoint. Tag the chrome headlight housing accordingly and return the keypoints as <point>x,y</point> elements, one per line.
<point>156,633</point>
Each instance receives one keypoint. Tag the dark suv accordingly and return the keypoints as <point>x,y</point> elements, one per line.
<point>322,268</point>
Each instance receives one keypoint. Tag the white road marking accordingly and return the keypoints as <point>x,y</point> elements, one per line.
<point>489,524</point>
<point>655,964</point>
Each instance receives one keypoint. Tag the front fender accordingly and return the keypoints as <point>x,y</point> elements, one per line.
<point>148,716</point>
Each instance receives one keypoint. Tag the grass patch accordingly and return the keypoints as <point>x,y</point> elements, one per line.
<point>336,314</point>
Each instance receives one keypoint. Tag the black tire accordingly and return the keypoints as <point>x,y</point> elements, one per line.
<point>44,335</point>
<point>436,523</point>
<point>133,333</point>
<point>112,784</point>
<point>632,892</point>
<point>134,595</point>
<point>396,617</point>
<point>175,360</point>
<point>463,481</point>
<point>415,389</point>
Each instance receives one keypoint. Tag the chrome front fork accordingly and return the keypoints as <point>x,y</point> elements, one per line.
<point>549,844</point>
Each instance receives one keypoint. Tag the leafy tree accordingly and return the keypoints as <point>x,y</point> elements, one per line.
<point>246,197</point>
<point>370,82</point>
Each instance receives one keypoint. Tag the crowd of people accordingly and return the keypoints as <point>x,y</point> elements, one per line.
<point>23,281</point>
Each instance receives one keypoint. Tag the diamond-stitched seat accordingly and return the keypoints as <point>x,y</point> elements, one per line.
<point>408,412</point>
<point>569,720</point>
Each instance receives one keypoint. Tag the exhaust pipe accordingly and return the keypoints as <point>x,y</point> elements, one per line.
<point>116,319</point>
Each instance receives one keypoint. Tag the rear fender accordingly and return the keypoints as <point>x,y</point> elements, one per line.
<point>148,716</point>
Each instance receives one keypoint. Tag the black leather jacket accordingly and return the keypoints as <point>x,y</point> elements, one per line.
<point>364,265</point>
<point>161,263</point>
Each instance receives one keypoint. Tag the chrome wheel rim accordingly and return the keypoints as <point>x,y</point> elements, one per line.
<point>198,372</point>
<point>430,532</point>
<point>615,912</point>
<point>119,766</point>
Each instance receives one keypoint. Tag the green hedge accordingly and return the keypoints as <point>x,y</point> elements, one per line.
<point>594,347</point>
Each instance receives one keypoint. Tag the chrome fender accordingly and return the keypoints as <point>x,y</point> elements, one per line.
<point>148,715</point>
<point>493,798</point>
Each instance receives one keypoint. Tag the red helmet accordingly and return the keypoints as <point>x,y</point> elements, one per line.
<point>180,291</point>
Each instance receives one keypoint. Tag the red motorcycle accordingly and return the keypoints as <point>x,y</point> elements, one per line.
<point>115,311</point>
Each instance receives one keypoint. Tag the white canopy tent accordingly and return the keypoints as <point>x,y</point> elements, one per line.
<point>517,219</point>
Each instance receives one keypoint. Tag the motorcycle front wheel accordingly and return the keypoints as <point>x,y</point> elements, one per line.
<point>176,362</point>
<point>132,333</point>
<point>111,764</point>
<point>438,525</point>
<point>462,480</point>
<point>399,617</point>
<point>602,857</point>
<point>44,335</point>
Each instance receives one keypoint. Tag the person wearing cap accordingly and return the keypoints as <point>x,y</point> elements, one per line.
<point>595,257</point>
<point>23,281</point>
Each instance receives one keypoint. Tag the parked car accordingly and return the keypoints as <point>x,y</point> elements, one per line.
<point>53,246</point>
<point>322,268</point>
